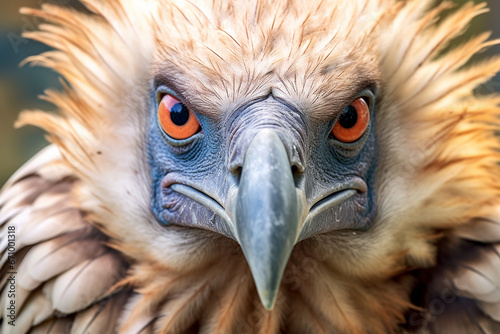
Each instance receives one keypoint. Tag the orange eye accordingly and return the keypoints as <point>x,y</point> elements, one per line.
<point>176,119</point>
<point>353,122</point>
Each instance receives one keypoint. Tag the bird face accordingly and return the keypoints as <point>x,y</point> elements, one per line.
<point>265,174</point>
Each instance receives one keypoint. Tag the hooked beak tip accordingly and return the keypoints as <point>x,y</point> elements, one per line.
<point>268,299</point>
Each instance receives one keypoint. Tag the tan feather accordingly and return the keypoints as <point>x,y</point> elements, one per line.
<point>82,285</point>
<point>62,240</point>
<point>54,257</point>
<point>53,326</point>
<point>181,311</point>
<point>492,309</point>
<point>36,311</point>
<point>224,318</point>
<point>100,318</point>
<point>140,324</point>
<point>480,280</point>
<point>45,160</point>
<point>482,230</point>
<point>53,226</point>
<point>13,206</point>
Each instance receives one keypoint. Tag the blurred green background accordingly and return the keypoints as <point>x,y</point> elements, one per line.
<point>19,87</point>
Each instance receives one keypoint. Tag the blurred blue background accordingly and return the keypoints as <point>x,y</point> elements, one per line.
<point>19,87</point>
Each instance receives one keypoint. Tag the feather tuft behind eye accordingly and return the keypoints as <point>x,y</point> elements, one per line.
<point>176,120</point>
<point>353,122</point>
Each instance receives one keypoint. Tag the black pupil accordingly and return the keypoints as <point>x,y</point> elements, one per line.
<point>349,118</point>
<point>179,114</point>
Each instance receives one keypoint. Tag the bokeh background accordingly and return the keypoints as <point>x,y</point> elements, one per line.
<point>19,87</point>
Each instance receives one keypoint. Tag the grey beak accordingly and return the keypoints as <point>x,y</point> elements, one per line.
<point>267,212</point>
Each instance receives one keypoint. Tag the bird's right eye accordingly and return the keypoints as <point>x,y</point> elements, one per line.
<point>176,119</point>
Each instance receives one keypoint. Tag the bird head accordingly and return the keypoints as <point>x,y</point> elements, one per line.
<point>271,153</point>
<point>283,133</point>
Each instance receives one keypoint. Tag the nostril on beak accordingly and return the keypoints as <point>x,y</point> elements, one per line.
<point>235,167</point>
<point>237,171</point>
<point>235,163</point>
<point>298,173</point>
<point>297,166</point>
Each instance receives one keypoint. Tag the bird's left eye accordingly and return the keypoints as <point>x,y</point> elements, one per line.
<point>353,122</point>
<point>176,119</point>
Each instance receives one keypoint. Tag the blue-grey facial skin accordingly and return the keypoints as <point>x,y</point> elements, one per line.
<point>211,162</point>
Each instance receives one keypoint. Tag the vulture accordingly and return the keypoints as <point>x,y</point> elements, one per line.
<point>258,166</point>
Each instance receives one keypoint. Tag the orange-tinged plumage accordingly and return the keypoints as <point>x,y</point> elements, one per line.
<point>90,255</point>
